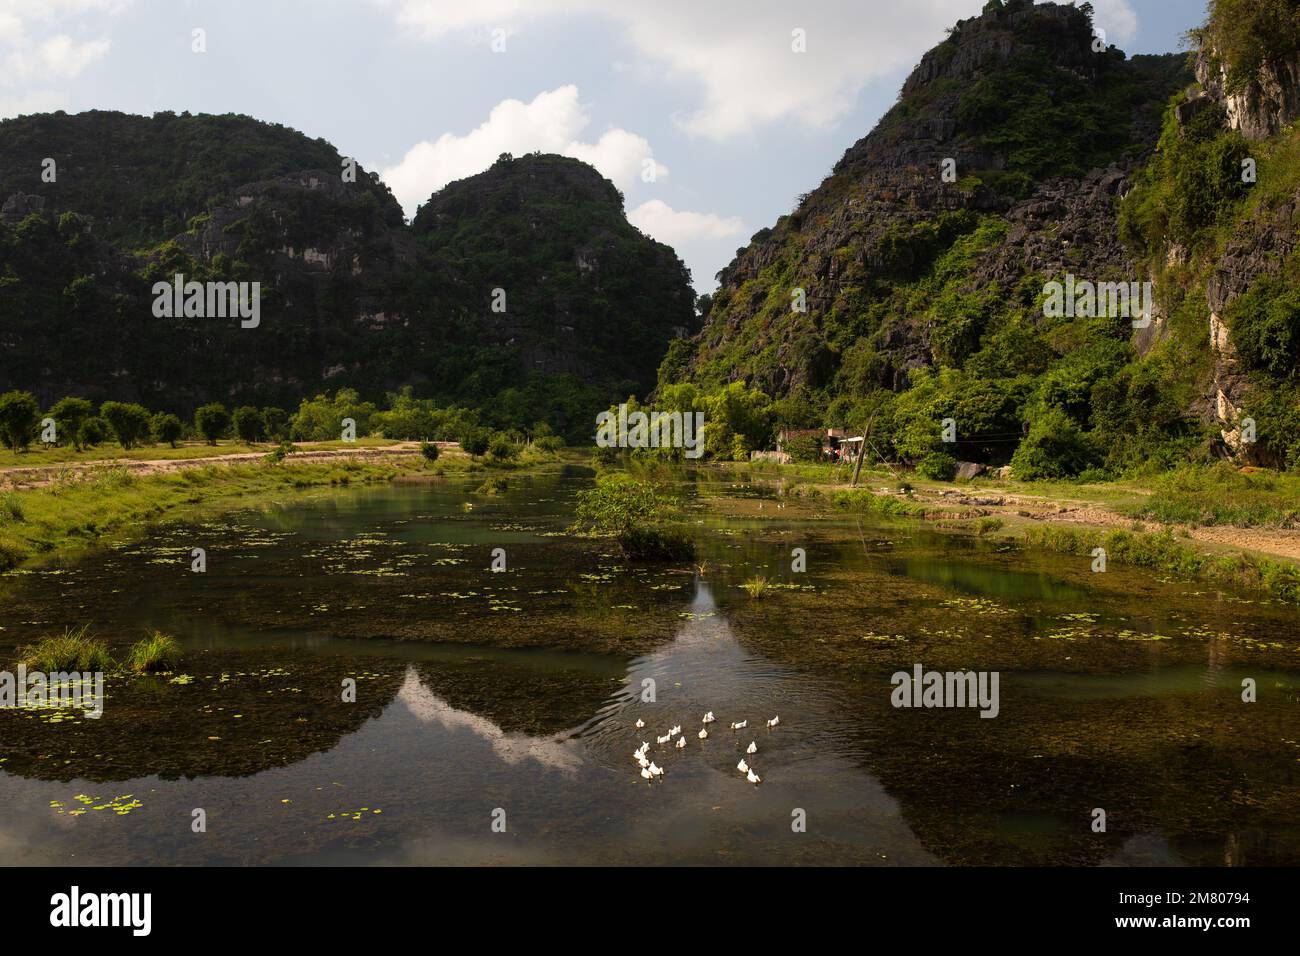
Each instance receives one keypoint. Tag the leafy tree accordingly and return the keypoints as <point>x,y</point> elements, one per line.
<point>276,422</point>
<point>93,431</point>
<point>475,442</point>
<point>429,450</point>
<point>167,428</point>
<point>502,448</point>
<point>20,418</point>
<point>68,414</point>
<point>211,421</point>
<point>1054,448</point>
<point>248,423</point>
<point>129,422</point>
<point>321,418</point>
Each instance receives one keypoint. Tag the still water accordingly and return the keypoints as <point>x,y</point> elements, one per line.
<point>510,697</point>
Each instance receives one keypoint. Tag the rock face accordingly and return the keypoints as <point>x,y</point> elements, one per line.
<point>968,149</point>
<point>1264,106</point>
<point>350,295</point>
<point>1258,111</point>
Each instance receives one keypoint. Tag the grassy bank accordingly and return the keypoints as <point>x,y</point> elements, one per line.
<point>80,509</point>
<point>1161,551</point>
<point>1265,502</point>
<point>36,456</point>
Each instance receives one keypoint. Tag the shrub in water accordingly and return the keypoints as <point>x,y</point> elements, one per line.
<point>73,650</point>
<point>157,652</point>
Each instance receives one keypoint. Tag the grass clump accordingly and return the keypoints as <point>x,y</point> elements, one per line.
<point>73,650</point>
<point>757,587</point>
<point>156,653</point>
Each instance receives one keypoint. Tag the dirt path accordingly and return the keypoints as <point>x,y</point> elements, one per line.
<point>36,476</point>
<point>1276,542</point>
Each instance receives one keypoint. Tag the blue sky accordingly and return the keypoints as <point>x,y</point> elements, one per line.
<point>701,111</point>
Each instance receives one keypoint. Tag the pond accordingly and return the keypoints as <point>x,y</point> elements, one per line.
<point>494,713</point>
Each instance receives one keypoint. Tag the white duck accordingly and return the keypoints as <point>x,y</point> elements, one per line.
<point>645,772</point>
<point>773,722</point>
<point>639,723</point>
<point>703,734</point>
<point>753,778</point>
<point>752,748</point>
<point>742,766</point>
<point>681,743</point>
<point>655,769</point>
<point>642,762</point>
<point>708,718</point>
<point>663,740</point>
<point>740,726</point>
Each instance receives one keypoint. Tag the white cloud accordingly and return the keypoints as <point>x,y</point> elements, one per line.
<point>35,52</point>
<point>551,123</point>
<point>739,51</point>
<point>659,220</point>
<point>1117,18</point>
<point>56,59</point>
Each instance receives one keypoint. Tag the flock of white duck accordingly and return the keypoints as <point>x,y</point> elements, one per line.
<point>651,771</point>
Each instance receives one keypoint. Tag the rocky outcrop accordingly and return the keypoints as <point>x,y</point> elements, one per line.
<point>1263,106</point>
<point>954,152</point>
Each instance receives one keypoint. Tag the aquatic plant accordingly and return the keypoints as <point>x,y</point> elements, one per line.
<point>157,652</point>
<point>757,587</point>
<point>73,650</point>
<point>637,514</point>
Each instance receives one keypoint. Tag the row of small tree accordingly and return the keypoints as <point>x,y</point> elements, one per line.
<point>77,422</point>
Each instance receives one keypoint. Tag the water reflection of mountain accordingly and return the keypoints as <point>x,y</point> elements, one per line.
<point>236,716</point>
<point>517,696</point>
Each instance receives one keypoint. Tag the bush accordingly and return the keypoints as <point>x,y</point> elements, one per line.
<point>93,431</point>
<point>276,423</point>
<point>1055,448</point>
<point>429,450</point>
<point>549,443</point>
<point>1265,325</point>
<point>804,448</point>
<point>937,466</point>
<point>248,424</point>
<point>129,422</point>
<point>157,652</point>
<point>20,417</point>
<point>73,650</point>
<point>475,442</point>
<point>619,503</point>
<point>69,414</point>
<point>211,421</point>
<point>166,428</point>
<point>502,448</point>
